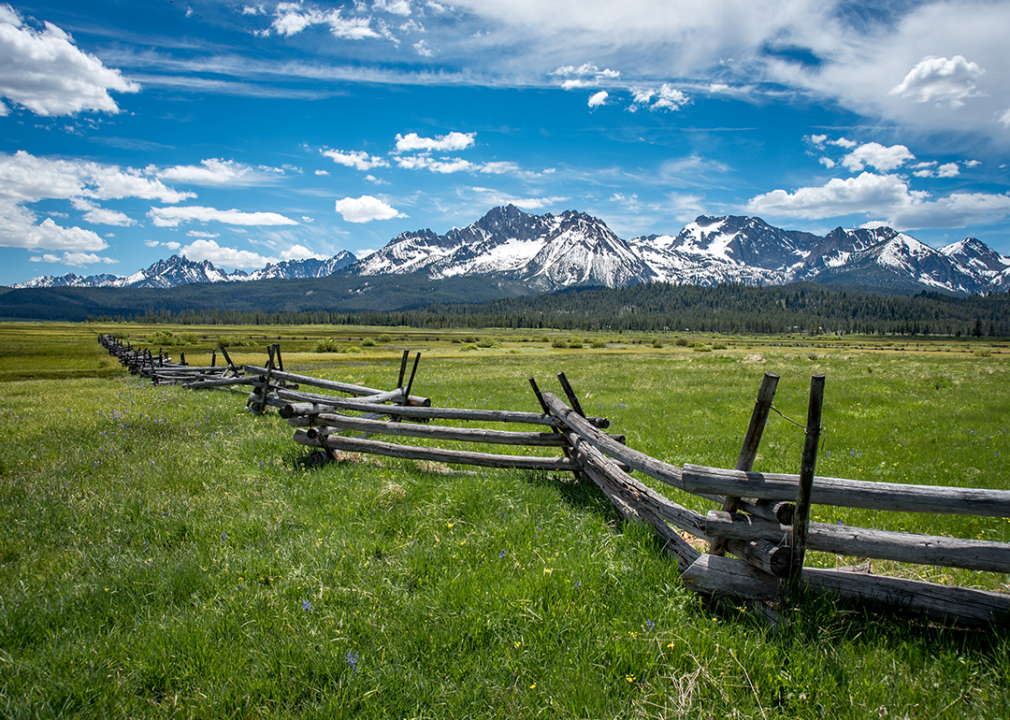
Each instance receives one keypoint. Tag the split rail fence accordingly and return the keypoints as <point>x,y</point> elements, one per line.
<point>763,519</point>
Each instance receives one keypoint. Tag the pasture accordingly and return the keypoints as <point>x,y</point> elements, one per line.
<point>164,553</point>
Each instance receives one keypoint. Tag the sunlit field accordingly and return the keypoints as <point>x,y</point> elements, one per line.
<point>166,553</point>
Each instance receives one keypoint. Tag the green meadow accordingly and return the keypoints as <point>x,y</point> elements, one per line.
<point>165,553</point>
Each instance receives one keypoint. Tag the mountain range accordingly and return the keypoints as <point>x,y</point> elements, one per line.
<point>552,252</point>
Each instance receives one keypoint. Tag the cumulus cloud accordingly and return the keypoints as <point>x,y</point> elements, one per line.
<point>586,75</point>
<point>101,216</point>
<point>46,73</point>
<point>290,18</point>
<point>878,156</point>
<point>356,159</point>
<point>174,216</point>
<point>396,7</point>
<point>443,166</point>
<point>300,252</point>
<point>76,259</point>
<point>201,250</point>
<point>421,46</point>
<point>886,196</point>
<point>454,141</point>
<point>18,229</point>
<point>948,170</point>
<point>218,172</point>
<point>365,209</point>
<point>598,99</point>
<point>665,98</point>
<point>940,79</point>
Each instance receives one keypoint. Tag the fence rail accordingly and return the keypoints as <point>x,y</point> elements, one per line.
<point>763,518</point>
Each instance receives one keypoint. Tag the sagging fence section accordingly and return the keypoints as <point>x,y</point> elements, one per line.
<point>762,519</point>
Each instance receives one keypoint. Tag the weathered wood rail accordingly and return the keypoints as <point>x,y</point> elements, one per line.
<point>762,518</point>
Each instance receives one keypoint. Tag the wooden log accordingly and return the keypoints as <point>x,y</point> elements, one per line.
<point>664,472</point>
<point>616,486</point>
<point>861,542</point>
<point>431,413</point>
<point>221,382</point>
<point>801,515</point>
<point>634,491</point>
<point>441,432</point>
<point>751,441</point>
<point>458,457</point>
<point>298,396</point>
<point>543,406</point>
<point>573,399</point>
<point>348,388</point>
<point>942,603</point>
<point>840,492</point>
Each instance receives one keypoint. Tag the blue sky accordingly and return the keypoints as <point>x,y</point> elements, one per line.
<point>253,132</point>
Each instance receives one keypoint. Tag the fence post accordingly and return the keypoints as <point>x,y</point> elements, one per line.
<point>801,516</point>
<point>751,441</point>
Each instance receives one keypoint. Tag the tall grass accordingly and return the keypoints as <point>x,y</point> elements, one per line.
<point>165,554</point>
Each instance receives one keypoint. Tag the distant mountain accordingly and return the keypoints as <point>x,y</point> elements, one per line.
<point>179,270</point>
<point>545,253</point>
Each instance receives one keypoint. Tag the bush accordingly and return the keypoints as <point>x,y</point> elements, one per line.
<point>166,337</point>
<point>469,347</point>
<point>680,342</point>
<point>657,343</point>
<point>699,347</point>
<point>232,341</point>
<point>575,344</point>
<point>718,346</point>
<point>489,343</point>
<point>559,343</point>
<point>326,345</point>
<point>384,338</point>
<point>351,349</point>
<point>597,344</point>
<point>367,342</point>
<point>470,339</point>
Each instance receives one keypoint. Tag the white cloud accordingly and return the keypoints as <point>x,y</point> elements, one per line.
<point>972,163</point>
<point>322,172</point>
<point>290,18</point>
<point>18,229</point>
<point>76,259</point>
<point>396,7</point>
<point>444,166</point>
<point>843,142</point>
<point>883,196</point>
<point>878,156</point>
<point>27,178</point>
<point>101,216</point>
<point>172,245</point>
<point>356,159</point>
<point>365,209</point>
<point>866,193</point>
<point>940,79</point>
<point>1004,117</point>
<point>827,162</point>
<point>586,75</point>
<point>454,141</point>
<point>818,140</point>
<point>201,250</point>
<point>221,173</point>
<point>202,234</point>
<point>598,99</point>
<point>498,168</point>
<point>421,46</point>
<point>948,170</point>
<point>665,98</point>
<point>300,252</point>
<point>46,72</point>
<point>174,216</point>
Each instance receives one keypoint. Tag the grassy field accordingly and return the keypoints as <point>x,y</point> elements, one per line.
<point>163,553</point>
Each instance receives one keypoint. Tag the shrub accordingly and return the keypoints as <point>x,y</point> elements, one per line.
<point>680,342</point>
<point>699,347</point>
<point>166,337</point>
<point>575,344</point>
<point>489,343</point>
<point>559,343</point>
<point>384,338</point>
<point>718,346</point>
<point>232,341</point>
<point>326,345</point>
<point>351,349</point>
<point>657,343</point>
<point>367,342</point>
<point>470,339</point>
<point>469,347</point>
<point>597,344</point>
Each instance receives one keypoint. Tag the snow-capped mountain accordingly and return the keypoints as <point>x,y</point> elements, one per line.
<point>552,252</point>
<point>548,252</point>
<point>179,270</point>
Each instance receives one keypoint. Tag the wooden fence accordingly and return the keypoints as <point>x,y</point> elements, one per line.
<point>763,519</point>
